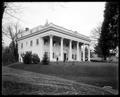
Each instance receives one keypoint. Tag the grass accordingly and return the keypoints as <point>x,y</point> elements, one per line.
<point>14,88</point>
<point>95,73</point>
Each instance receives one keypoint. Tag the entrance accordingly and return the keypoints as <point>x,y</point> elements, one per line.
<point>65,56</point>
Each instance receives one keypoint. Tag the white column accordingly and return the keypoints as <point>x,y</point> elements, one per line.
<point>78,58</point>
<point>80,53</point>
<point>51,47</point>
<point>83,52</point>
<point>70,51</point>
<point>88,52</point>
<point>61,49</point>
<point>19,58</point>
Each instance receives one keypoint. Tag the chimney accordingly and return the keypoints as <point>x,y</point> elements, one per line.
<point>26,29</point>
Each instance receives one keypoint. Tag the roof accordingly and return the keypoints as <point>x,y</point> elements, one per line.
<point>52,26</point>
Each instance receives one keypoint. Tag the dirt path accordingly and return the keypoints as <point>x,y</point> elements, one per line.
<point>60,86</point>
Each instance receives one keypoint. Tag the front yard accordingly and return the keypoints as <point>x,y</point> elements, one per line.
<point>95,73</point>
<point>21,82</point>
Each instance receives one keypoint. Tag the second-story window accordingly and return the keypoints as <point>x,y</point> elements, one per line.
<point>21,45</point>
<point>37,41</point>
<point>31,43</point>
<point>26,43</point>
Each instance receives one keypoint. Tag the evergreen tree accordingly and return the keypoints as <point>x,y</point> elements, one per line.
<point>14,49</point>
<point>45,60</point>
<point>109,32</point>
<point>98,50</point>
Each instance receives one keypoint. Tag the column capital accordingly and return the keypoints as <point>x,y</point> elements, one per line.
<point>71,40</point>
<point>62,38</point>
<point>51,35</point>
<point>77,42</point>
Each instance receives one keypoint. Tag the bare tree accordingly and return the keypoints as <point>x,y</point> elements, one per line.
<point>11,12</point>
<point>12,32</point>
<point>95,34</point>
<point>12,9</point>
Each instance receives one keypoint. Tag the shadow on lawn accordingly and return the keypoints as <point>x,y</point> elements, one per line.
<point>95,73</point>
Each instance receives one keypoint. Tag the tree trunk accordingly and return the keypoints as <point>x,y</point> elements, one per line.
<point>3,8</point>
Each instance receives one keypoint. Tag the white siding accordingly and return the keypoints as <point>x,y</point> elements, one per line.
<point>38,49</point>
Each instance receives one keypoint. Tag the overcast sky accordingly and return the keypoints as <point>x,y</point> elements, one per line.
<point>76,16</point>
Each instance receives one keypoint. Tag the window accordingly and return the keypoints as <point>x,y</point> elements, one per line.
<point>26,43</point>
<point>72,46</point>
<point>37,41</point>
<point>75,56</point>
<point>45,41</point>
<point>21,45</point>
<point>31,43</point>
<point>53,55</point>
<point>46,53</point>
<point>72,56</point>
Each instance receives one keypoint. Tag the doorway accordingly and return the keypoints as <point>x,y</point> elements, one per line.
<point>65,56</point>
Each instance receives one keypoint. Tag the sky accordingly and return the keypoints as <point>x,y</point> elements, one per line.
<point>82,17</point>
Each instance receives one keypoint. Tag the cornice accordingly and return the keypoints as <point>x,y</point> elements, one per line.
<point>58,29</point>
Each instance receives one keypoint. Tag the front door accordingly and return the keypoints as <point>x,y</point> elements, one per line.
<point>65,57</point>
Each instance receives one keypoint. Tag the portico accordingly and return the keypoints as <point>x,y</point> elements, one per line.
<point>70,49</point>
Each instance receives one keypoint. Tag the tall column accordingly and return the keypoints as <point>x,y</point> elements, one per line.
<point>70,50</point>
<point>83,52</point>
<point>78,58</point>
<point>88,52</point>
<point>61,49</point>
<point>51,47</point>
<point>80,53</point>
<point>19,58</point>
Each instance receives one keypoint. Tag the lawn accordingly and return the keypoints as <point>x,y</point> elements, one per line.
<point>95,73</point>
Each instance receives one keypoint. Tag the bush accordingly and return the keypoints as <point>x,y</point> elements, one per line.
<point>35,59</point>
<point>7,56</point>
<point>45,60</point>
<point>27,58</point>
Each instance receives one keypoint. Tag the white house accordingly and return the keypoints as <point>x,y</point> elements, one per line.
<point>58,42</point>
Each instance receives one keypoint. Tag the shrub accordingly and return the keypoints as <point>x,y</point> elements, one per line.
<point>35,59</point>
<point>45,60</point>
<point>7,56</point>
<point>27,58</point>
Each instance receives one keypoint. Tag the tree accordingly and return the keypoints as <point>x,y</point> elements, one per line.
<point>14,49</point>
<point>109,32</point>
<point>7,56</point>
<point>95,35</point>
<point>2,8</point>
<point>45,60</point>
<point>11,9</point>
<point>12,32</point>
<point>98,50</point>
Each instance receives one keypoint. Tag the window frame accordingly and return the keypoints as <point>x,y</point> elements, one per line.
<point>37,41</point>
<point>21,45</point>
<point>31,43</point>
